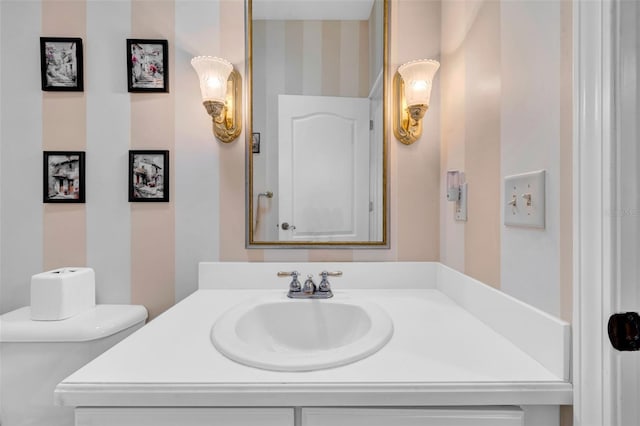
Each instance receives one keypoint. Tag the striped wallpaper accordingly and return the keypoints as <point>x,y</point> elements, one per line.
<point>499,119</point>
<point>321,58</point>
<point>152,126</point>
<point>148,253</point>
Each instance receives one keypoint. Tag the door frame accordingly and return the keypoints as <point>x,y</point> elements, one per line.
<point>595,373</point>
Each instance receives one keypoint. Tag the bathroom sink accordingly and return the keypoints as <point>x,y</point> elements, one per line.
<point>277,333</point>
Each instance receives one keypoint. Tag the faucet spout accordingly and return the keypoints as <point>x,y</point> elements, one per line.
<point>309,287</point>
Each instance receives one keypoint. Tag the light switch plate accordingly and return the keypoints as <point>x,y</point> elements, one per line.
<point>524,200</point>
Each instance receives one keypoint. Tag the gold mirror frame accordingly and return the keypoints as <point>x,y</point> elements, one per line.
<point>249,218</point>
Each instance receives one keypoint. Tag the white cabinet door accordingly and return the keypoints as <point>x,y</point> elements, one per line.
<point>162,416</point>
<point>507,416</point>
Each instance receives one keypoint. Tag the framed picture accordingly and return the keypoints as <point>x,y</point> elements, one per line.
<point>63,173</point>
<point>147,65</point>
<point>149,176</point>
<point>61,64</point>
<point>255,143</point>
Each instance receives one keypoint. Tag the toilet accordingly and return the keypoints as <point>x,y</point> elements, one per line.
<point>37,355</point>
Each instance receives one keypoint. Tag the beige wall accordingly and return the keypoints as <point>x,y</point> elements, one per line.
<point>498,117</point>
<point>63,128</point>
<point>148,254</point>
<point>506,72</point>
<point>470,75</point>
<point>505,108</point>
<point>153,127</point>
<point>323,58</point>
<point>482,145</point>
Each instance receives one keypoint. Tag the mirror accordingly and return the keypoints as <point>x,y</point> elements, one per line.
<point>316,139</point>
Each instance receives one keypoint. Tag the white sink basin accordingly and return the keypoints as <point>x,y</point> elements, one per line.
<point>277,333</point>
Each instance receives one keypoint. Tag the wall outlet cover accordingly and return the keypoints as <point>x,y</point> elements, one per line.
<point>524,200</point>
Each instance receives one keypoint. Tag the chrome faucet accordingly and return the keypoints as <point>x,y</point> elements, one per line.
<point>309,290</point>
<point>294,286</point>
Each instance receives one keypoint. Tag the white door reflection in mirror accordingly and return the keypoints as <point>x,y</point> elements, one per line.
<point>322,49</point>
<point>323,168</point>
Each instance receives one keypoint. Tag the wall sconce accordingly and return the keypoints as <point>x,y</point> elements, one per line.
<point>221,88</point>
<point>457,192</point>
<point>411,92</point>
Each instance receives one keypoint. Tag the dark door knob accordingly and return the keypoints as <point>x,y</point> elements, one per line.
<point>624,331</point>
<point>285,225</point>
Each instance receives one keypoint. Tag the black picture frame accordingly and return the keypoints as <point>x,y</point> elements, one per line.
<point>255,143</point>
<point>148,176</point>
<point>63,175</point>
<point>147,65</point>
<point>61,64</point>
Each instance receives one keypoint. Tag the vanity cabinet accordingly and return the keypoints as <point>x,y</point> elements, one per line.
<point>164,416</point>
<point>492,416</point>
<point>169,373</point>
<point>183,416</point>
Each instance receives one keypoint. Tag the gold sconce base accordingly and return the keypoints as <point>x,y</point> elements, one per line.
<point>407,121</point>
<point>227,120</point>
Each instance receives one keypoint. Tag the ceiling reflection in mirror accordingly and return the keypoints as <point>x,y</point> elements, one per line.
<point>316,149</point>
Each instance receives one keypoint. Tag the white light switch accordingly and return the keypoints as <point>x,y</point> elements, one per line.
<point>524,197</point>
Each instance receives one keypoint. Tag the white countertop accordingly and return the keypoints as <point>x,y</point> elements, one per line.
<point>440,354</point>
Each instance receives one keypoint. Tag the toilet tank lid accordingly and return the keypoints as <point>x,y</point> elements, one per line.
<point>95,323</point>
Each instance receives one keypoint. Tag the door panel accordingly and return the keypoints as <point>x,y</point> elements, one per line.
<point>500,416</point>
<point>323,181</point>
<point>184,416</point>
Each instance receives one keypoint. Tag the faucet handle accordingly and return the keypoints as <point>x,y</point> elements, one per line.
<point>324,286</point>
<point>294,286</point>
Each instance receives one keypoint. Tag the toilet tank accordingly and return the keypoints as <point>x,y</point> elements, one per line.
<point>36,355</point>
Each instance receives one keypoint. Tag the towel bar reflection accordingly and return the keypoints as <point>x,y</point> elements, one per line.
<point>267,194</point>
